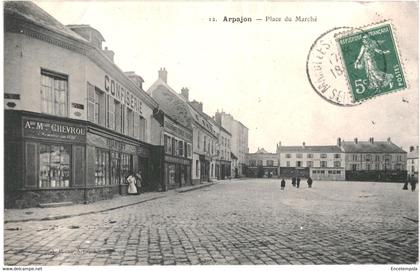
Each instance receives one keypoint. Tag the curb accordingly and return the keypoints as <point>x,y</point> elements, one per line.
<point>192,188</point>
<point>80,214</point>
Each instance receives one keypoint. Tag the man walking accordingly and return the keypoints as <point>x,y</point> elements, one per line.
<point>282,184</point>
<point>294,181</point>
<point>309,182</point>
<point>413,183</point>
<point>297,182</point>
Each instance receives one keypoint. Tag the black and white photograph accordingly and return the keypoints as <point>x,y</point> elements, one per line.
<point>210,134</point>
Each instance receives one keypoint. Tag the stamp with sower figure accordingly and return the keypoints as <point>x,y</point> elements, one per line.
<point>371,61</point>
<point>347,65</point>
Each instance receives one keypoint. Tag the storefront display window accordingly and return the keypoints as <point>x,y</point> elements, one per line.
<point>115,166</point>
<point>54,166</point>
<point>102,175</point>
<point>125,168</point>
<point>171,174</point>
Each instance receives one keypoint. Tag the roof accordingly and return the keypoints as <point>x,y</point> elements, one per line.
<point>171,103</point>
<point>308,149</point>
<point>29,11</point>
<point>369,147</point>
<point>233,156</point>
<point>413,154</point>
<point>262,151</point>
<point>86,26</point>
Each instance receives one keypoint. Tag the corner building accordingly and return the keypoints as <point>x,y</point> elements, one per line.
<point>75,124</point>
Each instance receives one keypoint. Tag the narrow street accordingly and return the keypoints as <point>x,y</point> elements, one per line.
<point>233,222</point>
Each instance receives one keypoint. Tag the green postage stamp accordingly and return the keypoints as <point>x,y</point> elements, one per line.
<point>371,60</point>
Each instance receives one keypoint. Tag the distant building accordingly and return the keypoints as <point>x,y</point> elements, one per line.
<point>319,162</point>
<point>413,161</point>
<point>262,164</point>
<point>223,159</point>
<point>239,144</point>
<point>373,160</point>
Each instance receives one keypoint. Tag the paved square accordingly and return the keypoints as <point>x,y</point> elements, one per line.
<point>234,222</point>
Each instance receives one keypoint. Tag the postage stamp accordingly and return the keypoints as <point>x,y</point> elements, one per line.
<point>371,60</point>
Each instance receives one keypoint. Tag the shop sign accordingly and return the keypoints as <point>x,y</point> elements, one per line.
<point>176,160</point>
<point>123,95</point>
<point>172,128</point>
<point>120,146</point>
<point>53,130</point>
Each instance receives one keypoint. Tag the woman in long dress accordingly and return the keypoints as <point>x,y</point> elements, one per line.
<point>366,59</point>
<point>132,189</point>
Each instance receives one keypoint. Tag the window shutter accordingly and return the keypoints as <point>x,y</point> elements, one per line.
<point>78,165</point>
<point>31,164</point>
<point>91,102</point>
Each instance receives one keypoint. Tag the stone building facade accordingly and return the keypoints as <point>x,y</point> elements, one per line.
<point>75,124</point>
<point>262,164</point>
<point>413,162</point>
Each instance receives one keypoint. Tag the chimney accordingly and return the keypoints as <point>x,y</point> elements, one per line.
<point>339,142</point>
<point>185,93</point>
<point>197,106</point>
<point>389,140</point>
<point>411,148</point>
<point>371,140</point>
<point>137,80</point>
<point>109,53</point>
<point>356,140</point>
<point>163,75</point>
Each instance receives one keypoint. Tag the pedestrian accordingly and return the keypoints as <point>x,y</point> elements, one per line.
<point>408,180</point>
<point>297,182</point>
<point>282,184</point>
<point>294,181</point>
<point>131,180</point>
<point>139,180</point>
<point>413,183</point>
<point>309,182</point>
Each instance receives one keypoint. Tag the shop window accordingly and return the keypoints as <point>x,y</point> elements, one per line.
<point>111,113</point>
<point>54,166</point>
<point>126,167</point>
<point>130,122</point>
<point>115,168</point>
<point>117,122</point>
<point>171,174</point>
<point>54,93</point>
<point>102,175</point>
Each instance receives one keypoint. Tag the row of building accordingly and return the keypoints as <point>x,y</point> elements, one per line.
<point>347,160</point>
<point>76,125</point>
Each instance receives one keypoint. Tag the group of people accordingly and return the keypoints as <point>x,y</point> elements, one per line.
<point>296,182</point>
<point>412,181</point>
<point>134,183</point>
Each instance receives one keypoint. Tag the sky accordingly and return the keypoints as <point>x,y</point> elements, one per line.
<point>256,71</point>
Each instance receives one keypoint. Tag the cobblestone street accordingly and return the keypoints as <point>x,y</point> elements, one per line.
<point>233,222</point>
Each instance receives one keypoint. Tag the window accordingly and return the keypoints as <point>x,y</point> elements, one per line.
<point>130,122</point>
<point>126,167</point>
<point>185,149</point>
<point>270,163</point>
<point>118,125</point>
<point>309,163</point>
<point>323,155</point>
<point>96,105</point>
<point>142,128</point>
<point>174,150</point>
<point>299,155</point>
<point>197,172</point>
<point>288,155</point>
<point>323,163</point>
<point>54,93</point>
<point>354,167</point>
<point>205,144</point>
<point>111,113</point>
<point>298,163</point>
<point>168,145</point>
<point>288,164</point>
<point>377,158</point>
<point>123,122</point>
<point>136,126</point>
<point>102,175</point>
<point>368,167</point>
<point>198,139</point>
<point>189,154</point>
<point>387,159</point>
<point>337,155</point>
<point>260,162</point>
<point>399,158</point>
<point>180,148</point>
<point>376,166</point>
<point>310,155</point>
<point>354,157</point>
<point>54,165</point>
<point>337,163</point>
<point>368,157</point>
<point>252,163</point>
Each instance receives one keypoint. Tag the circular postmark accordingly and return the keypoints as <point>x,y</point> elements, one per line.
<point>325,70</point>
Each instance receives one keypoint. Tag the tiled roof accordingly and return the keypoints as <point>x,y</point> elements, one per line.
<point>309,149</point>
<point>28,11</point>
<point>375,147</point>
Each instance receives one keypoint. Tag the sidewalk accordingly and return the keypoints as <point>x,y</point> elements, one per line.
<point>40,214</point>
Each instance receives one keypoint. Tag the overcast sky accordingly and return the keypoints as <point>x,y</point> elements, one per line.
<point>256,71</point>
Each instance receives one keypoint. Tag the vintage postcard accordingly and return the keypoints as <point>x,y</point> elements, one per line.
<point>221,133</point>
